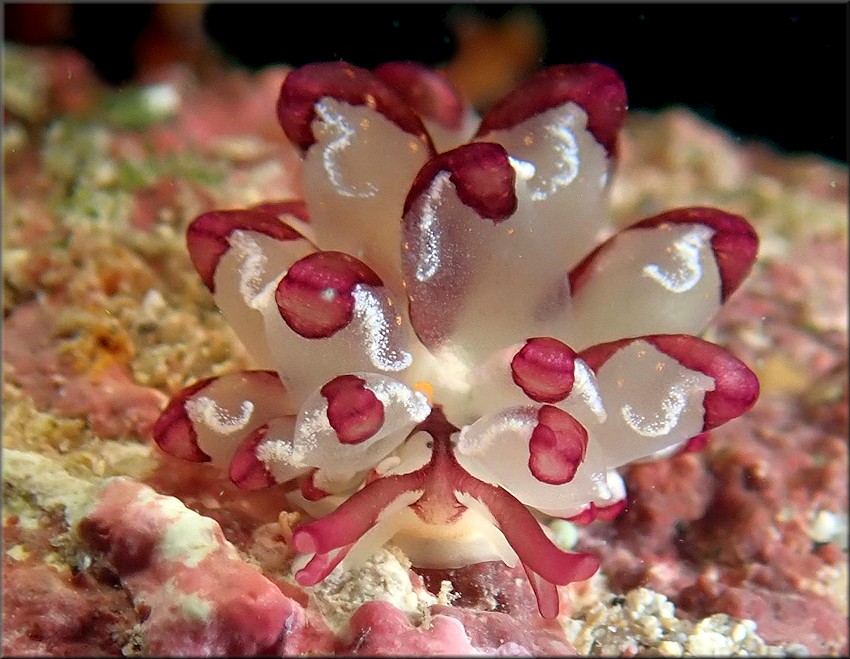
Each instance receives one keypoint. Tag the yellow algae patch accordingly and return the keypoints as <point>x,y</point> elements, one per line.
<point>777,373</point>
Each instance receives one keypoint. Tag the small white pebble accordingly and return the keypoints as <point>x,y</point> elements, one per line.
<point>739,633</point>
<point>666,610</point>
<point>153,303</point>
<point>639,599</point>
<point>754,645</point>
<point>650,629</point>
<point>823,526</point>
<point>711,644</point>
<point>84,562</point>
<point>797,650</point>
<point>670,649</point>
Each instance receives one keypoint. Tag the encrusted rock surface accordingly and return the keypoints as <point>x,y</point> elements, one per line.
<point>737,550</point>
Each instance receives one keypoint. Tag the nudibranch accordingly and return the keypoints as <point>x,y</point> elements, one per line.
<point>453,346</point>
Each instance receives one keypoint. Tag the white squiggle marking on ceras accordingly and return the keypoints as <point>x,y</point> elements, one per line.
<point>390,392</point>
<point>372,312</point>
<point>429,253</point>
<point>311,426</point>
<point>203,410</point>
<point>567,163</point>
<point>525,170</point>
<point>283,452</point>
<point>480,437</point>
<point>667,419</point>
<point>686,271</point>
<point>342,133</point>
<point>584,385</point>
<point>252,267</point>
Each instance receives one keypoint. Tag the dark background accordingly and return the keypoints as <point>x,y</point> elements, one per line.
<point>774,72</point>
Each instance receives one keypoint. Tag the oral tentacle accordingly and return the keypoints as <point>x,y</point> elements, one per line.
<point>321,565</point>
<point>535,550</point>
<point>358,514</point>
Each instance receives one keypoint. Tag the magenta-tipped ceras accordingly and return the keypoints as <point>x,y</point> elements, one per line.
<point>455,352</point>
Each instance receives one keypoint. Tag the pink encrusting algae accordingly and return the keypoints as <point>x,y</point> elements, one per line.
<point>453,346</point>
<point>213,602</point>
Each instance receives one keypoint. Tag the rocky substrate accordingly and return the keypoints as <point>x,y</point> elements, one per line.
<point>113,548</point>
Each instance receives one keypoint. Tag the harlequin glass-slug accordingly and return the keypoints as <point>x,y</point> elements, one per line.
<point>452,345</point>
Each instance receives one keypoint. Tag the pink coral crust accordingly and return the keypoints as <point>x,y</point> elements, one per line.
<point>380,628</point>
<point>106,395</point>
<point>202,598</point>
